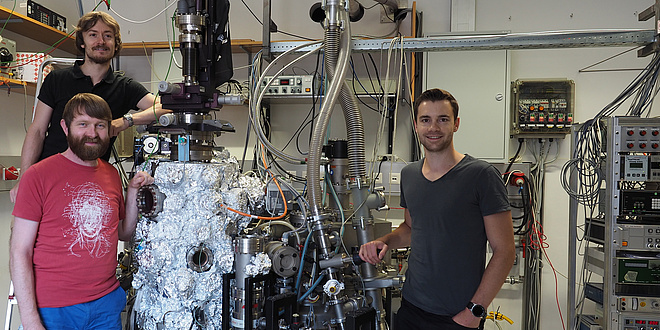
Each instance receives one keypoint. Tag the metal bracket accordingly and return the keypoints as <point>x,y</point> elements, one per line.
<point>650,12</point>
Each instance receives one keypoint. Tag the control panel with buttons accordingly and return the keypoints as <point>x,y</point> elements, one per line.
<point>297,85</point>
<point>650,322</point>
<point>639,304</point>
<point>639,237</point>
<point>639,138</point>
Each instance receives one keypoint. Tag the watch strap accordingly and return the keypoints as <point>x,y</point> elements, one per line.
<point>474,308</point>
<point>129,119</point>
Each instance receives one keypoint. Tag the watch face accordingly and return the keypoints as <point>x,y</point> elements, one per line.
<point>478,310</point>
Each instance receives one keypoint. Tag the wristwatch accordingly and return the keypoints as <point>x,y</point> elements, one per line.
<point>129,119</point>
<point>477,310</point>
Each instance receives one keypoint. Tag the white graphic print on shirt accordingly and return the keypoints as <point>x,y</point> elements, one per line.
<point>89,213</point>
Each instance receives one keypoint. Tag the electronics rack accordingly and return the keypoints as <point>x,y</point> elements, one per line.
<point>624,243</point>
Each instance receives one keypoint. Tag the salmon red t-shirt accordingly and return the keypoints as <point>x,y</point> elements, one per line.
<point>78,209</point>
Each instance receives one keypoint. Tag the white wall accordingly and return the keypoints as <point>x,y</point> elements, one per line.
<point>594,90</point>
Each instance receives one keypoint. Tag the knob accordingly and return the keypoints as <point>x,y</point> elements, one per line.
<point>630,145</point>
<point>642,133</point>
<point>630,132</point>
<point>642,145</point>
<point>655,132</point>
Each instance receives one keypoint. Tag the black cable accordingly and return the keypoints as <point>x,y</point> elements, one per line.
<point>282,171</point>
<point>283,32</point>
<point>380,91</point>
<point>296,36</point>
<point>355,78</point>
<point>315,98</point>
<point>311,122</point>
<point>383,159</point>
<point>520,142</point>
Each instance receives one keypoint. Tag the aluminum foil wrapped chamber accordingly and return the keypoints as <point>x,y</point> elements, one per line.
<point>183,250</point>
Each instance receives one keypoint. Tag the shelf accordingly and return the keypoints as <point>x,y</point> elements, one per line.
<point>139,48</point>
<point>38,31</point>
<point>16,86</point>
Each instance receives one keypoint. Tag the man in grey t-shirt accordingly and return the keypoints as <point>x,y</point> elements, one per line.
<point>453,204</point>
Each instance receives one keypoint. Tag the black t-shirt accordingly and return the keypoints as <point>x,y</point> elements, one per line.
<point>121,93</point>
<point>448,237</point>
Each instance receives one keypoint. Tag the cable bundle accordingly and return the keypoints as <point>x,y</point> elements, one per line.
<point>586,161</point>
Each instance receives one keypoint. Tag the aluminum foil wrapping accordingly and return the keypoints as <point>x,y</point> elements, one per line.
<point>183,252</point>
<point>259,265</point>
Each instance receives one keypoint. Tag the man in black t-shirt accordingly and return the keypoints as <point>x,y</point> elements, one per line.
<point>99,39</point>
<point>453,204</point>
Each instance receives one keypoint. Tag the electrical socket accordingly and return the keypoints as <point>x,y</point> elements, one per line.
<point>379,178</point>
<point>395,178</point>
<point>388,158</point>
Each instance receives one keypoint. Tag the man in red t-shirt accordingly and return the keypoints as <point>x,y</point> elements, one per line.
<point>68,217</point>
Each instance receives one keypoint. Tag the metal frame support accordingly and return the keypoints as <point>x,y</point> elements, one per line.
<point>274,304</point>
<point>266,29</point>
<point>362,319</point>
<point>651,12</point>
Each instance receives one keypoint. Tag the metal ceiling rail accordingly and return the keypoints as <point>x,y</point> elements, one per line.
<point>539,40</point>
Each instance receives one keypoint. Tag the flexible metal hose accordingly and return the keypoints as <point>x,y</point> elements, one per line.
<point>314,162</point>
<point>349,104</point>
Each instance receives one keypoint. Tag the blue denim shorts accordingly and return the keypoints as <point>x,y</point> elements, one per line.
<point>102,313</point>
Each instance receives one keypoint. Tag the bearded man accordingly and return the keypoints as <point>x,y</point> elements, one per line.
<point>68,217</point>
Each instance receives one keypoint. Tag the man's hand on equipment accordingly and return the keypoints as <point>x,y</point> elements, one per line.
<point>373,252</point>
<point>140,179</point>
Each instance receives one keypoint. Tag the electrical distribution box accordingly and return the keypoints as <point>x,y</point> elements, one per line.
<point>542,108</point>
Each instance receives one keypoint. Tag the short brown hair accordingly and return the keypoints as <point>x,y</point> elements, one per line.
<point>434,95</point>
<point>90,19</point>
<point>86,103</point>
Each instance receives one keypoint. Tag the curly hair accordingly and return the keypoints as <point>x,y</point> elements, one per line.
<point>90,19</point>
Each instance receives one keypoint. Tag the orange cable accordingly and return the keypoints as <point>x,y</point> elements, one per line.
<point>281,194</point>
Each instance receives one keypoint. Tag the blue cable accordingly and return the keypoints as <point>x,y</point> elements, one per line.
<point>302,259</point>
<point>318,281</point>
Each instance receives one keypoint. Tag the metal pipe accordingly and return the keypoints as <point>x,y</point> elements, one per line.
<point>313,165</point>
